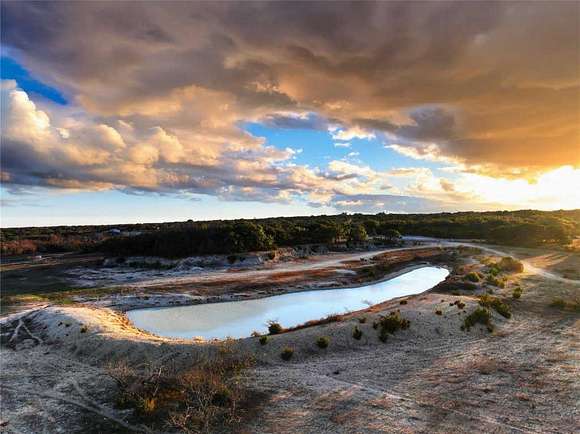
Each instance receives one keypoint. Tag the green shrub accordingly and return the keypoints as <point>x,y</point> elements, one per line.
<point>287,353</point>
<point>322,342</point>
<point>84,329</point>
<point>503,309</point>
<point>495,281</point>
<point>383,335</point>
<point>438,312</point>
<point>478,316</point>
<point>274,328</point>
<point>391,323</point>
<point>496,304</point>
<point>473,277</point>
<point>357,333</point>
<point>511,265</point>
<point>263,340</point>
<point>517,293</point>
<point>362,319</point>
<point>493,270</point>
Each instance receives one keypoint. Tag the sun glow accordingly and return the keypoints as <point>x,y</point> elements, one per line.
<point>556,189</point>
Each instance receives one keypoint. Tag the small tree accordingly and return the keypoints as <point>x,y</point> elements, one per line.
<point>357,234</point>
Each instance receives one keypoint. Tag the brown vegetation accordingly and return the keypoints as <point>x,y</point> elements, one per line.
<point>389,324</point>
<point>200,398</point>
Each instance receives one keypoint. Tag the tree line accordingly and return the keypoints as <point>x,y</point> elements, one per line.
<point>179,239</point>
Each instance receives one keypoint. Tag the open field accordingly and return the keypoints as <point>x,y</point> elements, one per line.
<point>431,377</point>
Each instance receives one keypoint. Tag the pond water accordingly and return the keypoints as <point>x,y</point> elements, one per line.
<point>238,319</point>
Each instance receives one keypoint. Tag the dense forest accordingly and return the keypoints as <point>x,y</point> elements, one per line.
<point>179,239</point>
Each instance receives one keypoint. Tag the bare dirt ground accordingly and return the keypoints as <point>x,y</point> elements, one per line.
<point>432,377</point>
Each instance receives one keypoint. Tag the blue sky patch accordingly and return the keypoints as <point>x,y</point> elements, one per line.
<point>12,70</point>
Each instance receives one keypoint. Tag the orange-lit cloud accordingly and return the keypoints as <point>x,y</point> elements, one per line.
<point>160,89</point>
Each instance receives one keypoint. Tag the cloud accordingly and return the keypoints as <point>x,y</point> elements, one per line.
<point>95,156</point>
<point>427,151</point>
<point>409,172</point>
<point>159,91</point>
<point>305,121</point>
<point>351,133</point>
<point>374,203</point>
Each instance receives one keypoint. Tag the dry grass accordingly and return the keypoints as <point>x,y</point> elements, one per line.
<point>201,398</point>
<point>326,320</point>
<point>572,304</point>
<point>274,328</point>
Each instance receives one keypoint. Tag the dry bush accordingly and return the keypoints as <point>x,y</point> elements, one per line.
<point>287,353</point>
<point>274,328</point>
<point>390,324</point>
<point>335,317</point>
<point>323,342</point>
<point>200,398</point>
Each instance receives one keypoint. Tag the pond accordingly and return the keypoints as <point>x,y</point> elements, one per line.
<point>238,319</point>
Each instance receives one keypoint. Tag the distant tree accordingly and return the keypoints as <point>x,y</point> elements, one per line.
<point>371,226</point>
<point>357,234</point>
<point>392,235</point>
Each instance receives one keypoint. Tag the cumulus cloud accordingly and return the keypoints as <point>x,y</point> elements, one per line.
<point>425,151</point>
<point>93,155</point>
<point>160,91</point>
<point>350,133</point>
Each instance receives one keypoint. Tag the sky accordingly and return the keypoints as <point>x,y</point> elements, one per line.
<point>118,112</point>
